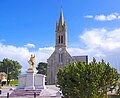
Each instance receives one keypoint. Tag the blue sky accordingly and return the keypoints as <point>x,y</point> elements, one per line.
<point>28,26</point>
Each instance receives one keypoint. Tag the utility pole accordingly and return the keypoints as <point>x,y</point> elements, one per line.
<point>7,75</point>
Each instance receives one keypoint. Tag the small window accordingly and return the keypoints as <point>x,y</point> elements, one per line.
<point>52,62</point>
<point>68,60</point>
<point>51,76</point>
<point>61,39</point>
<point>61,58</point>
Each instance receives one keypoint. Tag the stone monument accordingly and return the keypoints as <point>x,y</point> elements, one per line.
<point>31,80</point>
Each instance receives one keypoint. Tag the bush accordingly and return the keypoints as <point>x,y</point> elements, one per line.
<point>114,96</point>
<point>14,83</point>
<point>81,80</point>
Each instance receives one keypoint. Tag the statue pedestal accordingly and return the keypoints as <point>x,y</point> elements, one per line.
<point>31,81</point>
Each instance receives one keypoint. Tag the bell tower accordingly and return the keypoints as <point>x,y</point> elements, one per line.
<point>60,57</point>
<point>61,33</point>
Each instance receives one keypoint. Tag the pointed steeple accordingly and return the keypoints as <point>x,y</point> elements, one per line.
<point>61,19</point>
<point>61,32</point>
<point>61,25</point>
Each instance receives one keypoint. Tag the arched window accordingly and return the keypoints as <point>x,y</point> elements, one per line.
<point>52,62</point>
<point>61,58</point>
<point>68,60</point>
<point>51,76</point>
<point>61,39</point>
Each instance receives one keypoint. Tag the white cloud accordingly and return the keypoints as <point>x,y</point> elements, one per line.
<point>16,53</point>
<point>106,18</point>
<point>88,16</point>
<point>103,17</point>
<point>22,54</point>
<point>102,43</point>
<point>29,45</point>
<point>102,38</point>
<point>99,43</point>
<point>100,17</point>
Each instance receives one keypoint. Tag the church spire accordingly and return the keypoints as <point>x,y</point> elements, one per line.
<point>61,25</point>
<point>61,19</point>
<point>61,32</point>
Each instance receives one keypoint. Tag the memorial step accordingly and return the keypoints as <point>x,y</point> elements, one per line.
<point>25,92</point>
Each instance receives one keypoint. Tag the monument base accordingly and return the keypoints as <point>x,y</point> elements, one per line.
<point>31,81</point>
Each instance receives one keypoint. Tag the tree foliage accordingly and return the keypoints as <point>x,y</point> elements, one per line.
<point>11,68</point>
<point>83,80</point>
<point>42,68</point>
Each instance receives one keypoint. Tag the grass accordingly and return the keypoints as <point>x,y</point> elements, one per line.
<point>14,83</point>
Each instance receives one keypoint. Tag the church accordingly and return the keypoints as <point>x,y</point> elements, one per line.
<point>60,57</point>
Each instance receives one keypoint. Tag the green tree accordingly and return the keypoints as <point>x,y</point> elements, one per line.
<point>11,68</point>
<point>83,80</point>
<point>42,68</point>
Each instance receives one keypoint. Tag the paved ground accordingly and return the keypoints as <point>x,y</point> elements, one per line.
<point>28,97</point>
<point>6,89</point>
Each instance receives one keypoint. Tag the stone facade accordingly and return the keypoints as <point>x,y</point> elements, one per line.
<point>60,56</point>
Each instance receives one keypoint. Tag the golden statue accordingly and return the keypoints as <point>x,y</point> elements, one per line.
<point>32,62</point>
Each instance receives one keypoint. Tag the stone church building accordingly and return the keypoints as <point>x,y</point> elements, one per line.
<point>60,57</point>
